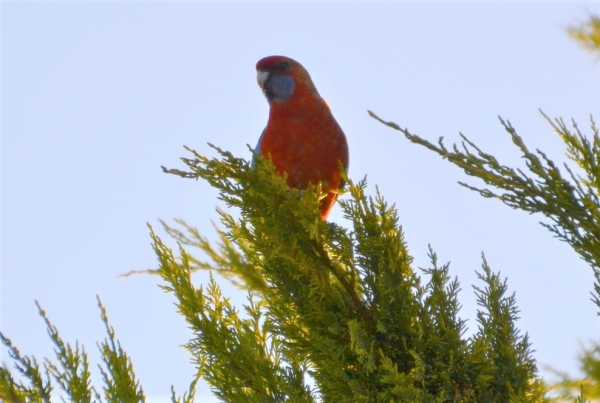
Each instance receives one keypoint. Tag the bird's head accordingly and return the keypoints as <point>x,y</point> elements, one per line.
<point>279,77</point>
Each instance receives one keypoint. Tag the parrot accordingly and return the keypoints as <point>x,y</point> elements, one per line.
<point>302,138</point>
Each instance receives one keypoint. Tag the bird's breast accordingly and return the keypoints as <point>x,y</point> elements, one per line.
<point>306,144</point>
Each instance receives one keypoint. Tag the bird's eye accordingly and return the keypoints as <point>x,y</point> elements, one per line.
<point>283,66</point>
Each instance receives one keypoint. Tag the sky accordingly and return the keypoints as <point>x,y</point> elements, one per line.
<point>96,96</point>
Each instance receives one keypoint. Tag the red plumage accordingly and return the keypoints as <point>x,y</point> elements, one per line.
<point>302,138</point>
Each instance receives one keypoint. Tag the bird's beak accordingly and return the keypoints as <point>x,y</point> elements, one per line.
<point>261,77</point>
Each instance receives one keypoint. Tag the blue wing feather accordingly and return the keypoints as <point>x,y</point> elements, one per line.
<point>256,151</point>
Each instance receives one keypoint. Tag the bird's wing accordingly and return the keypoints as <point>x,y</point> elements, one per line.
<point>257,151</point>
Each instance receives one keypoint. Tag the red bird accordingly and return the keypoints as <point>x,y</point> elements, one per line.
<point>302,138</point>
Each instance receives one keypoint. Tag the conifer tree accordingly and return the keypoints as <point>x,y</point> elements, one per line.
<point>341,305</point>
<point>587,33</point>
<point>570,389</point>
<point>571,201</point>
<point>333,313</point>
<point>339,313</point>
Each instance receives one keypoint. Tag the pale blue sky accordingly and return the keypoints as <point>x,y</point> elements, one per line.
<point>96,96</point>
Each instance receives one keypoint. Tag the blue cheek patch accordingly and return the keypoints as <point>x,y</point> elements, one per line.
<point>279,88</point>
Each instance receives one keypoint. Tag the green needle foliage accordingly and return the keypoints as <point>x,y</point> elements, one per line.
<point>334,314</point>
<point>71,373</point>
<point>571,202</point>
<point>589,363</point>
<point>338,314</point>
<point>587,34</point>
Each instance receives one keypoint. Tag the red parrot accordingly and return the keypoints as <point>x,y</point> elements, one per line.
<point>302,138</point>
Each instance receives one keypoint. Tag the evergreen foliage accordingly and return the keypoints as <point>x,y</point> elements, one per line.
<point>333,314</point>
<point>587,34</point>
<point>72,373</point>
<point>341,305</point>
<point>571,389</point>
<point>340,314</point>
<point>572,202</point>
